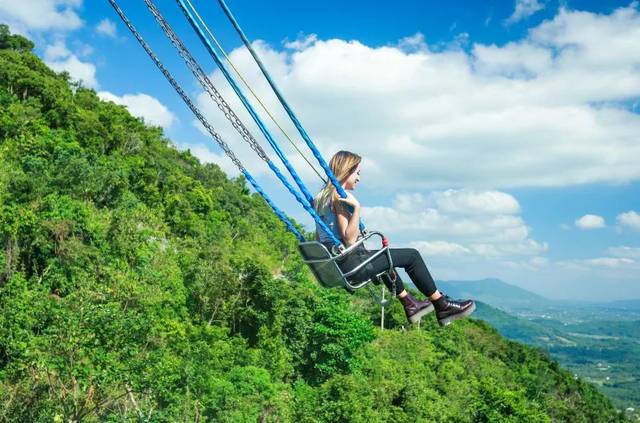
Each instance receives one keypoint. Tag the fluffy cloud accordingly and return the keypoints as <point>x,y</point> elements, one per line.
<point>550,109</point>
<point>590,221</point>
<point>106,27</point>
<point>625,252</point>
<point>439,248</point>
<point>609,262</point>
<point>629,219</point>
<point>205,155</point>
<point>40,15</point>
<point>57,50</point>
<point>473,202</point>
<point>524,9</point>
<point>302,42</point>
<point>54,19</point>
<point>144,106</point>
<point>462,222</point>
<point>58,57</point>
<point>599,262</point>
<point>515,60</point>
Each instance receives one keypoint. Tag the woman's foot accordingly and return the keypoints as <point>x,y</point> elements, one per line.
<point>414,309</point>
<point>448,310</point>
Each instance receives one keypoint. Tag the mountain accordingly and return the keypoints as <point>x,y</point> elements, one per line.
<point>506,296</point>
<point>494,292</point>
<point>138,284</point>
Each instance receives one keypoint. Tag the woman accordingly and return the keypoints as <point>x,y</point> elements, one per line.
<point>342,216</point>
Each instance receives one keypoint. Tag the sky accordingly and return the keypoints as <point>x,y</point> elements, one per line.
<point>500,138</point>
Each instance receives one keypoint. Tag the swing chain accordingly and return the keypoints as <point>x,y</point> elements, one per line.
<point>223,145</point>
<point>206,83</point>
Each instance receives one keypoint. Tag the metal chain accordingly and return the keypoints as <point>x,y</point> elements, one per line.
<point>223,145</point>
<point>253,93</point>
<point>205,82</point>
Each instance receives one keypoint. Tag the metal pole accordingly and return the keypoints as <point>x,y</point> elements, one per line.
<point>382,312</point>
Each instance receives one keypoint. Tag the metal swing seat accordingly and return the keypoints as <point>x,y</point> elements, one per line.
<point>324,265</point>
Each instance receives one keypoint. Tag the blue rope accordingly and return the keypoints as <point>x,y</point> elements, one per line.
<point>284,103</point>
<point>305,204</point>
<point>245,102</point>
<point>307,201</point>
<point>272,204</point>
<point>202,119</point>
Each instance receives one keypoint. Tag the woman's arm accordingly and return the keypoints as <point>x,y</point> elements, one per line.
<point>348,223</point>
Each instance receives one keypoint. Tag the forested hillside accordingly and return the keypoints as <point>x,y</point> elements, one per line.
<point>137,284</point>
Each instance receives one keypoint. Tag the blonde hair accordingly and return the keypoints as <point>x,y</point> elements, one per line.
<point>342,164</point>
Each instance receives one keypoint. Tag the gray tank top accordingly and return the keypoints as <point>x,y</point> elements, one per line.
<point>331,221</point>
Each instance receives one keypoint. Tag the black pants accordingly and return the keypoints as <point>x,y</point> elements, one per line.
<point>407,258</point>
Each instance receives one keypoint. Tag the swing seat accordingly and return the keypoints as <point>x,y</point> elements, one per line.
<point>325,268</point>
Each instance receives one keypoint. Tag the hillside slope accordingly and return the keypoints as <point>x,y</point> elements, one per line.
<point>602,352</point>
<point>137,284</point>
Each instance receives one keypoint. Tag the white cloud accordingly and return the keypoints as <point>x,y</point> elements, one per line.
<point>517,59</point>
<point>590,221</point>
<point>613,262</point>
<point>524,9</point>
<point>40,15</point>
<point>539,261</point>
<point>625,252</point>
<point>60,59</point>
<point>144,106</point>
<point>439,248</point>
<point>57,50</point>
<point>474,202</point>
<point>83,49</point>
<point>630,219</point>
<point>549,109</point>
<point>463,224</point>
<point>205,155</point>
<point>302,42</point>
<point>533,264</point>
<point>55,17</point>
<point>106,27</point>
<point>413,43</point>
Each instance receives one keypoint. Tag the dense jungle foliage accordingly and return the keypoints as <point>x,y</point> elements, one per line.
<point>137,284</point>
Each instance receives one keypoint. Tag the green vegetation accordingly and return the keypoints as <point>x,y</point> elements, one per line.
<point>603,352</point>
<point>137,284</point>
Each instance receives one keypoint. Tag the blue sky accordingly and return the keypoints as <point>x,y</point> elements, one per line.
<point>500,137</point>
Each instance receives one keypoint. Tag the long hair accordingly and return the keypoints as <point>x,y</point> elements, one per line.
<point>342,164</point>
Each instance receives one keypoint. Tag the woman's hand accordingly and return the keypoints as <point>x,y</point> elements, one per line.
<point>350,200</point>
<point>348,220</point>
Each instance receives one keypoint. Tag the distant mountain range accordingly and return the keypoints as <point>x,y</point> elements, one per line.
<point>494,292</point>
<point>508,297</point>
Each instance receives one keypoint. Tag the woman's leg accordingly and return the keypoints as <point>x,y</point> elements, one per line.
<point>407,258</point>
<point>411,261</point>
<point>447,310</point>
<point>377,266</point>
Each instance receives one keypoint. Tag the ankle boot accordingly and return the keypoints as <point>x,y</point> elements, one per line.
<point>448,310</point>
<point>414,309</point>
